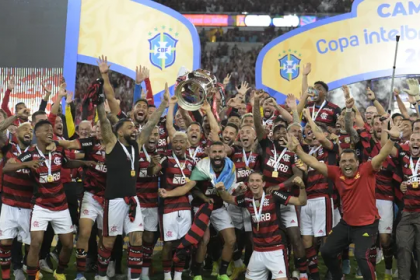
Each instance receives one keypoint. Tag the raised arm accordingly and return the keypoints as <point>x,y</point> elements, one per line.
<point>10,120</point>
<point>386,150</point>
<point>154,118</point>
<point>348,122</point>
<point>69,115</point>
<point>306,70</point>
<point>61,94</point>
<point>401,105</point>
<point>185,116</point>
<point>108,136</point>
<point>291,103</point>
<point>170,117</point>
<point>103,66</point>
<point>47,88</point>
<point>372,97</point>
<point>319,134</point>
<point>283,112</point>
<point>302,198</point>
<point>214,126</point>
<point>257,116</point>
<point>294,146</point>
<point>6,97</point>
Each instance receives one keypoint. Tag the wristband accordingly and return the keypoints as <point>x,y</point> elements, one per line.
<point>281,186</point>
<point>349,110</point>
<point>394,139</point>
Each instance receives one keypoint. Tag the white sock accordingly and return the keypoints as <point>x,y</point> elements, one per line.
<point>238,263</point>
<point>168,276</point>
<point>145,271</point>
<point>388,271</point>
<point>304,275</point>
<point>178,275</point>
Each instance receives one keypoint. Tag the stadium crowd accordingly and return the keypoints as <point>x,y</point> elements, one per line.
<point>269,6</point>
<point>241,186</point>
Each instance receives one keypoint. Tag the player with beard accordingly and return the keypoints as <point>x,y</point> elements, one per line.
<point>122,211</point>
<point>16,197</point>
<point>356,185</point>
<point>147,193</point>
<point>317,215</point>
<point>50,200</point>
<point>218,167</point>
<point>271,110</point>
<point>384,190</point>
<point>279,169</point>
<point>176,169</point>
<point>246,161</point>
<point>269,249</point>
<point>58,128</point>
<point>229,136</point>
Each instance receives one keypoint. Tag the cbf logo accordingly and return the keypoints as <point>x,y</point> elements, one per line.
<point>162,49</point>
<point>289,65</point>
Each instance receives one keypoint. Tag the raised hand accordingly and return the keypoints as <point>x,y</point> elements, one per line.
<point>205,106</point>
<point>226,80</point>
<point>349,103</point>
<point>370,94</point>
<point>306,113</point>
<point>173,100</point>
<point>143,94</point>
<point>47,88</point>
<point>258,94</point>
<point>62,91</point>
<point>292,143</point>
<point>394,132</point>
<point>166,95</point>
<point>396,92</point>
<point>346,91</point>
<point>307,69</point>
<point>103,64</point>
<point>142,73</point>
<point>244,88</point>
<point>291,101</point>
<point>11,83</point>
<point>413,87</point>
<point>69,98</point>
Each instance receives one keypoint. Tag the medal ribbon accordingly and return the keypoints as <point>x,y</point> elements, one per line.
<point>414,170</point>
<point>128,155</point>
<point>19,150</point>
<point>180,167</point>
<point>246,160</point>
<point>47,162</point>
<point>193,156</point>
<point>313,150</point>
<point>277,160</point>
<point>146,153</point>
<point>258,214</point>
<point>314,116</point>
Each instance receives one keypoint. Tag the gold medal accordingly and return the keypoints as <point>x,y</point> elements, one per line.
<point>415,184</point>
<point>275,174</point>
<point>133,173</point>
<point>50,178</point>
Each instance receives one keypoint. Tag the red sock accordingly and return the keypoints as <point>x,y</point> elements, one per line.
<point>167,266</point>
<point>104,254</point>
<point>135,261</point>
<point>31,271</point>
<point>312,257</point>
<point>147,254</point>
<point>5,261</point>
<point>81,260</point>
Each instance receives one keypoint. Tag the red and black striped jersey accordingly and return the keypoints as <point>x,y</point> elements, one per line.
<point>271,151</point>
<point>242,170</point>
<point>18,185</point>
<point>172,178</point>
<point>147,184</point>
<point>327,115</point>
<point>162,145</point>
<point>49,195</point>
<point>411,198</point>
<point>95,176</point>
<point>384,181</point>
<point>197,153</point>
<point>268,235</point>
<point>318,185</point>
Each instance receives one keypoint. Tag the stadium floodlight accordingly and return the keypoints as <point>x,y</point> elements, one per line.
<point>258,20</point>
